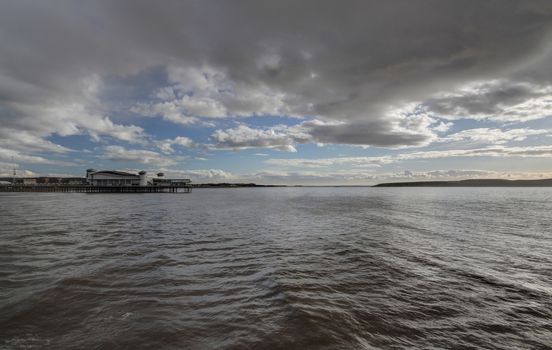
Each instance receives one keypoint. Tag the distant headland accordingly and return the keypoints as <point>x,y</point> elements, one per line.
<point>472,183</point>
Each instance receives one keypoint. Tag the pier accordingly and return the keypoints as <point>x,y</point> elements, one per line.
<point>97,189</point>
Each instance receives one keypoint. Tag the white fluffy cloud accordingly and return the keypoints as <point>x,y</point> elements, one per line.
<point>203,92</point>
<point>412,130</point>
<point>202,175</point>
<point>456,174</point>
<point>242,137</point>
<point>492,151</point>
<point>167,145</point>
<point>6,170</point>
<point>494,136</point>
<point>26,125</point>
<point>121,154</point>
<point>327,162</point>
<point>22,157</point>
<point>25,141</point>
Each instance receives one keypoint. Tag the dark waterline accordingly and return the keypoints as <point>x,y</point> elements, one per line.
<point>277,268</point>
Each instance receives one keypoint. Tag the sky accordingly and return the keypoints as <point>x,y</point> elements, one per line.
<point>278,92</point>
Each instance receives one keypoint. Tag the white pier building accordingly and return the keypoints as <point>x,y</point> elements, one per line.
<point>121,178</point>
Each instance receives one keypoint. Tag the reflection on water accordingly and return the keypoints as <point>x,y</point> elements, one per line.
<point>277,269</point>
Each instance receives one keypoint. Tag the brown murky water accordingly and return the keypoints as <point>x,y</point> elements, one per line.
<point>324,268</point>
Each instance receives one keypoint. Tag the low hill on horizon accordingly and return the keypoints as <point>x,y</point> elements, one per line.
<point>472,183</point>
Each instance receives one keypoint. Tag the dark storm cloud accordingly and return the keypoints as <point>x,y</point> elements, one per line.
<point>483,100</point>
<point>342,61</point>
<point>499,100</point>
<point>376,133</point>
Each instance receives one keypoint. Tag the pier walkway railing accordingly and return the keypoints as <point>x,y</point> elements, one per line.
<point>96,189</point>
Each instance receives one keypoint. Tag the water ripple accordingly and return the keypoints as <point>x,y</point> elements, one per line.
<point>277,269</point>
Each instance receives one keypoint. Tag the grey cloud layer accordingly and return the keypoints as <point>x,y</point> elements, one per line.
<point>491,151</point>
<point>500,100</point>
<point>385,133</point>
<point>343,62</point>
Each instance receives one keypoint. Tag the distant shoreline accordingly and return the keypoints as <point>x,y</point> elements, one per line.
<point>456,183</point>
<point>472,183</point>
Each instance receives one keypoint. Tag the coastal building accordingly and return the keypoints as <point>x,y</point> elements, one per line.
<point>103,181</point>
<point>115,178</point>
<point>29,181</point>
<point>70,181</point>
<point>121,178</point>
<point>160,180</point>
<point>44,180</point>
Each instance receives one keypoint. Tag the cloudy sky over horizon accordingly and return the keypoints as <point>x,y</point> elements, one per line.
<point>291,92</point>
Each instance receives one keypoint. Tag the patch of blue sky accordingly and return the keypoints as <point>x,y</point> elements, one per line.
<point>542,123</point>
<point>73,142</point>
<point>160,129</point>
<point>270,121</point>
